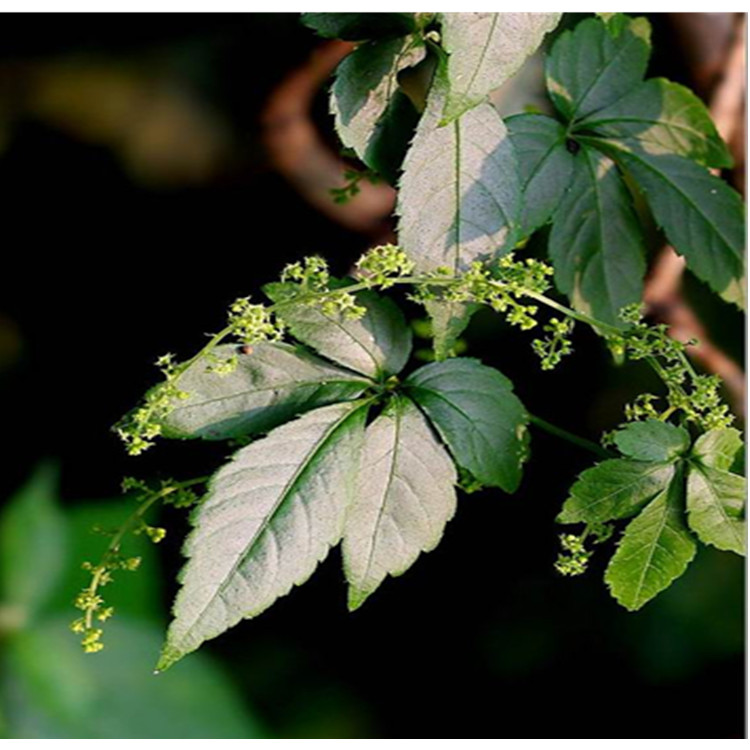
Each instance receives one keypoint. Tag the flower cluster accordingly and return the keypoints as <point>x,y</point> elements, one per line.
<point>555,346</point>
<point>574,558</point>
<point>91,603</point>
<point>313,288</point>
<point>380,266</point>
<point>695,396</point>
<point>500,287</point>
<point>310,273</point>
<point>253,323</point>
<point>142,425</point>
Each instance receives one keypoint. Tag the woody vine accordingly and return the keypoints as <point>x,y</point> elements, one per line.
<point>340,442</point>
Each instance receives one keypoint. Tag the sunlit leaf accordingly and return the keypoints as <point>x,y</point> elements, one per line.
<point>270,516</point>
<point>405,497</point>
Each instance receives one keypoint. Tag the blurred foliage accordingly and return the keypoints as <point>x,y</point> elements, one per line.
<point>49,687</point>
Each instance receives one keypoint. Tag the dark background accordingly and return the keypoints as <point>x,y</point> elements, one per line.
<point>114,254</point>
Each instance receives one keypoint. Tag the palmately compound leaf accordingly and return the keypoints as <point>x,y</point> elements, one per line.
<point>652,440</point>
<point>405,497</point>
<point>662,118</point>
<point>377,345</point>
<point>716,507</point>
<point>485,50</point>
<point>718,448</point>
<point>481,420</point>
<point>460,190</point>
<point>700,214</point>
<point>268,386</point>
<point>545,163</point>
<point>592,67</point>
<point>655,549</point>
<point>358,26</point>
<point>596,244</point>
<point>366,101</point>
<point>615,488</point>
<point>269,518</point>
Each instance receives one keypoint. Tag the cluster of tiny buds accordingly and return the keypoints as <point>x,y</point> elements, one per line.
<point>313,279</point>
<point>254,323</point>
<point>574,558</point>
<point>380,266</point>
<point>310,273</point>
<point>93,605</point>
<point>499,287</point>
<point>140,427</point>
<point>556,345</point>
<point>89,600</point>
<point>695,396</point>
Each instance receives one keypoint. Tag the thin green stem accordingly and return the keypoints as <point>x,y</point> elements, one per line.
<point>593,322</point>
<point>135,517</point>
<point>589,445</point>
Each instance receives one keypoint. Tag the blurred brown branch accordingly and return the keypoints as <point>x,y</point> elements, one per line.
<point>298,152</point>
<point>727,82</point>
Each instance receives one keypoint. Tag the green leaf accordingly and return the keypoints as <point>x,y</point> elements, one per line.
<point>475,411</point>
<point>32,545</point>
<point>616,488</point>
<point>596,245</point>
<point>700,214</point>
<point>663,118</point>
<point>485,50</point>
<point>449,319</point>
<point>716,504</point>
<point>591,67</point>
<point>460,190</point>
<point>269,518</point>
<point>405,497</point>
<point>655,549</point>
<point>269,386</point>
<point>366,102</point>
<point>718,448</point>
<point>545,163</point>
<point>379,344</point>
<point>652,440</point>
<point>358,26</point>
<point>53,690</point>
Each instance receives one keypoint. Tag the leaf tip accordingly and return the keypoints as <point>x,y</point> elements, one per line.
<point>169,656</point>
<point>356,598</point>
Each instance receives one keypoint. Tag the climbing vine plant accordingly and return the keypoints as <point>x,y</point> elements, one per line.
<point>340,442</point>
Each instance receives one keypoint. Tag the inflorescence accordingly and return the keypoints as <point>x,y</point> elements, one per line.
<point>504,286</point>
<point>92,604</point>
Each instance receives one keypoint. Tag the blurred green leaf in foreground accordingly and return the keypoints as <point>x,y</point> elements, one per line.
<point>49,688</point>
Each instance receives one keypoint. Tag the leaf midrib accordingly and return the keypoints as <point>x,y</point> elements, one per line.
<point>622,487</point>
<point>391,475</point>
<point>600,73</point>
<point>713,228</point>
<point>289,488</point>
<point>728,520</point>
<point>288,384</point>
